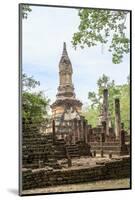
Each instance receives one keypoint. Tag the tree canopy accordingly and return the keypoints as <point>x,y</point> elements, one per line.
<point>34,104</point>
<point>25,10</point>
<point>115,91</point>
<point>107,27</point>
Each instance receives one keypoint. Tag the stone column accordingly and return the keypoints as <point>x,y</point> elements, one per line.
<point>84,131</point>
<point>78,131</point>
<point>53,131</point>
<point>105,109</point>
<point>122,136</point>
<point>122,139</point>
<point>103,131</point>
<point>74,131</point>
<point>117,119</point>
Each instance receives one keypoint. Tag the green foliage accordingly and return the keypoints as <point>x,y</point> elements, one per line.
<point>29,83</point>
<point>101,26</point>
<point>97,98</point>
<point>34,107</point>
<point>115,91</point>
<point>125,105</point>
<point>91,115</point>
<point>34,104</point>
<point>25,10</point>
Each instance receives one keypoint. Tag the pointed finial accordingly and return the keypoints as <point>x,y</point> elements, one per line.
<point>64,45</point>
<point>64,49</point>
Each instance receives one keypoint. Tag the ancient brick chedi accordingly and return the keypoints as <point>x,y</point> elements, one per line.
<point>66,102</point>
<point>66,110</point>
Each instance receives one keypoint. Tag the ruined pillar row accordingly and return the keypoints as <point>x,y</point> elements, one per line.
<point>117,119</point>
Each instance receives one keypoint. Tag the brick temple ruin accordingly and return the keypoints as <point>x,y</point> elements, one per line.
<point>68,124</point>
<point>68,135</point>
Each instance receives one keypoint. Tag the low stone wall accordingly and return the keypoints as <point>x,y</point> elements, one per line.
<point>112,169</point>
<point>113,147</point>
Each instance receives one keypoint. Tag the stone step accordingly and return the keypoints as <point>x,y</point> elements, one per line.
<point>73,152</point>
<point>60,153</point>
<point>29,140</point>
<point>60,156</point>
<point>105,144</point>
<point>107,152</point>
<point>36,150</point>
<point>72,145</point>
<point>106,148</point>
<point>74,155</point>
<point>59,142</point>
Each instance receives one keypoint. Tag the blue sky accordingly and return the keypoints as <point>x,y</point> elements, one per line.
<point>44,32</point>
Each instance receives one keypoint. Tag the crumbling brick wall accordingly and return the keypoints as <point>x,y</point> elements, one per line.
<point>40,178</point>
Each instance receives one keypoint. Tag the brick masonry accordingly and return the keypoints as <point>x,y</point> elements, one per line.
<point>104,170</point>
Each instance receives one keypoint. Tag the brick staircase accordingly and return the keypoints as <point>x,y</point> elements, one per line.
<point>37,150</point>
<point>60,149</point>
<point>78,149</point>
<point>73,150</point>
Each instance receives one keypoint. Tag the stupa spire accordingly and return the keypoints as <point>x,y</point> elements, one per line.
<point>65,96</point>
<point>64,53</point>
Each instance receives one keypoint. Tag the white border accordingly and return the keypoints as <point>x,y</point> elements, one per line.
<point>9,97</point>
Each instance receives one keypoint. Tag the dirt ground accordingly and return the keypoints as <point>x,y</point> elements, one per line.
<point>97,185</point>
<point>86,161</point>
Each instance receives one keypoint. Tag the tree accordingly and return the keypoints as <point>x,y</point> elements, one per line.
<point>125,105</point>
<point>105,27</point>
<point>96,99</point>
<point>34,104</point>
<point>115,91</point>
<point>25,10</point>
<point>91,114</point>
<point>29,83</point>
